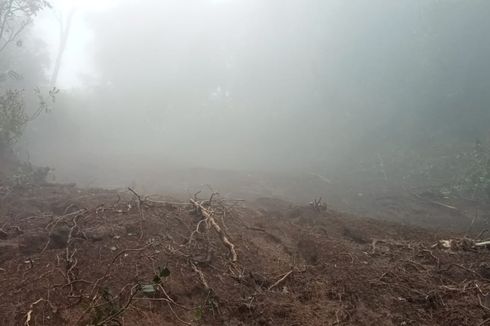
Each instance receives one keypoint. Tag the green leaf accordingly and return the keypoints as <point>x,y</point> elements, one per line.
<point>198,314</point>
<point>157,279</point>
<point>164,272</point>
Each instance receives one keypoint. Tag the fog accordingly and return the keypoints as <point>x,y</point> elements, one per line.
<point>322,88</point>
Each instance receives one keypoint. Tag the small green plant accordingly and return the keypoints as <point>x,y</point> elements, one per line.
<point>163,272</point>
<point>152,288</point>
<point>210,304</point>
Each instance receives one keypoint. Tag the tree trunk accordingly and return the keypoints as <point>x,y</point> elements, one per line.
<point>64,34</point>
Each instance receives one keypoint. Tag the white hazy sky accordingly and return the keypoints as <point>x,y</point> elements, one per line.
<point>77,62</point>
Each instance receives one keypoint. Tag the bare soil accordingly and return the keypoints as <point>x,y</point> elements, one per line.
<point>72,256</point>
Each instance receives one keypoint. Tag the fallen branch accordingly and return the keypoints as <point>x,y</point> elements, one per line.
<point>108,270</point>
<point>140,203</point>
<point>480,235</point>
<point>318,205</point>
<point>486,321</point>
<point>482,244</point>
<point>31,310</point>
<point>435,202</point>
<point>196,230</point>
<point>210,219</point>
<point>201,276</point>
<point>481,304</point>
<point>280,280</point>
<point>122,309</point>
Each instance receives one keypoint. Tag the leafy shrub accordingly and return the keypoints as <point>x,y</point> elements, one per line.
<point>13,114</point>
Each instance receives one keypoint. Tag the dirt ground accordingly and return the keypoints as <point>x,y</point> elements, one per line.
<point>72,256</point>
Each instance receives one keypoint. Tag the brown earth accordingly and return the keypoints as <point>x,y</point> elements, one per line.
<point>97,257</point>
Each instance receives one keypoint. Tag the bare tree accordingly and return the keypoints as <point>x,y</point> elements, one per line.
<point>65,27</point>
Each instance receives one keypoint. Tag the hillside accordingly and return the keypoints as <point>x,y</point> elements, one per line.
<point>98,257</point>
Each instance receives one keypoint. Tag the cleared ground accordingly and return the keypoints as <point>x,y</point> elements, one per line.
<point>97,257</point>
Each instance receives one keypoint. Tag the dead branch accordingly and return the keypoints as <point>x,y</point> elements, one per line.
<point>481,304</point>
<point>201,276</point>
<point>106,274</point>
<point>31,310</point>
<point>318,205</point>
<point>210,220</point>
<point>465,269</point>
<point>139,201</point>
<point>486,321</point>
<point>161,202</point>
<point>134,291</point>
<point>373,246</point>
<point>280,280</point>
<point>465,244</point>
<point>376,241</point>
<point>482,244</point>
<point>52,225</point>
<point>480,235</point>
<point>435,202</point>
<point>196,230</point>
<point>176,316</point>
<point>438,263</point>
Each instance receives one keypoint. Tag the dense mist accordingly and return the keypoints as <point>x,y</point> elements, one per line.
<point>316,87</point>
<point>244,162</point>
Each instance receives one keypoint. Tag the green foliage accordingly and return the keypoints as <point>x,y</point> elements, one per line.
<point>210,305</point>
<point>13,114</point>
<point>112,307</point>
<point>13,117</point>
<point>158,278</point>
<point>163,272</point>
<point>198,313</point>
<point>15,16</point>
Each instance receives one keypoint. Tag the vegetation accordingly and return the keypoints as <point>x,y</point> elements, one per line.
<point>13,115</point>
<point>15,17</point>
